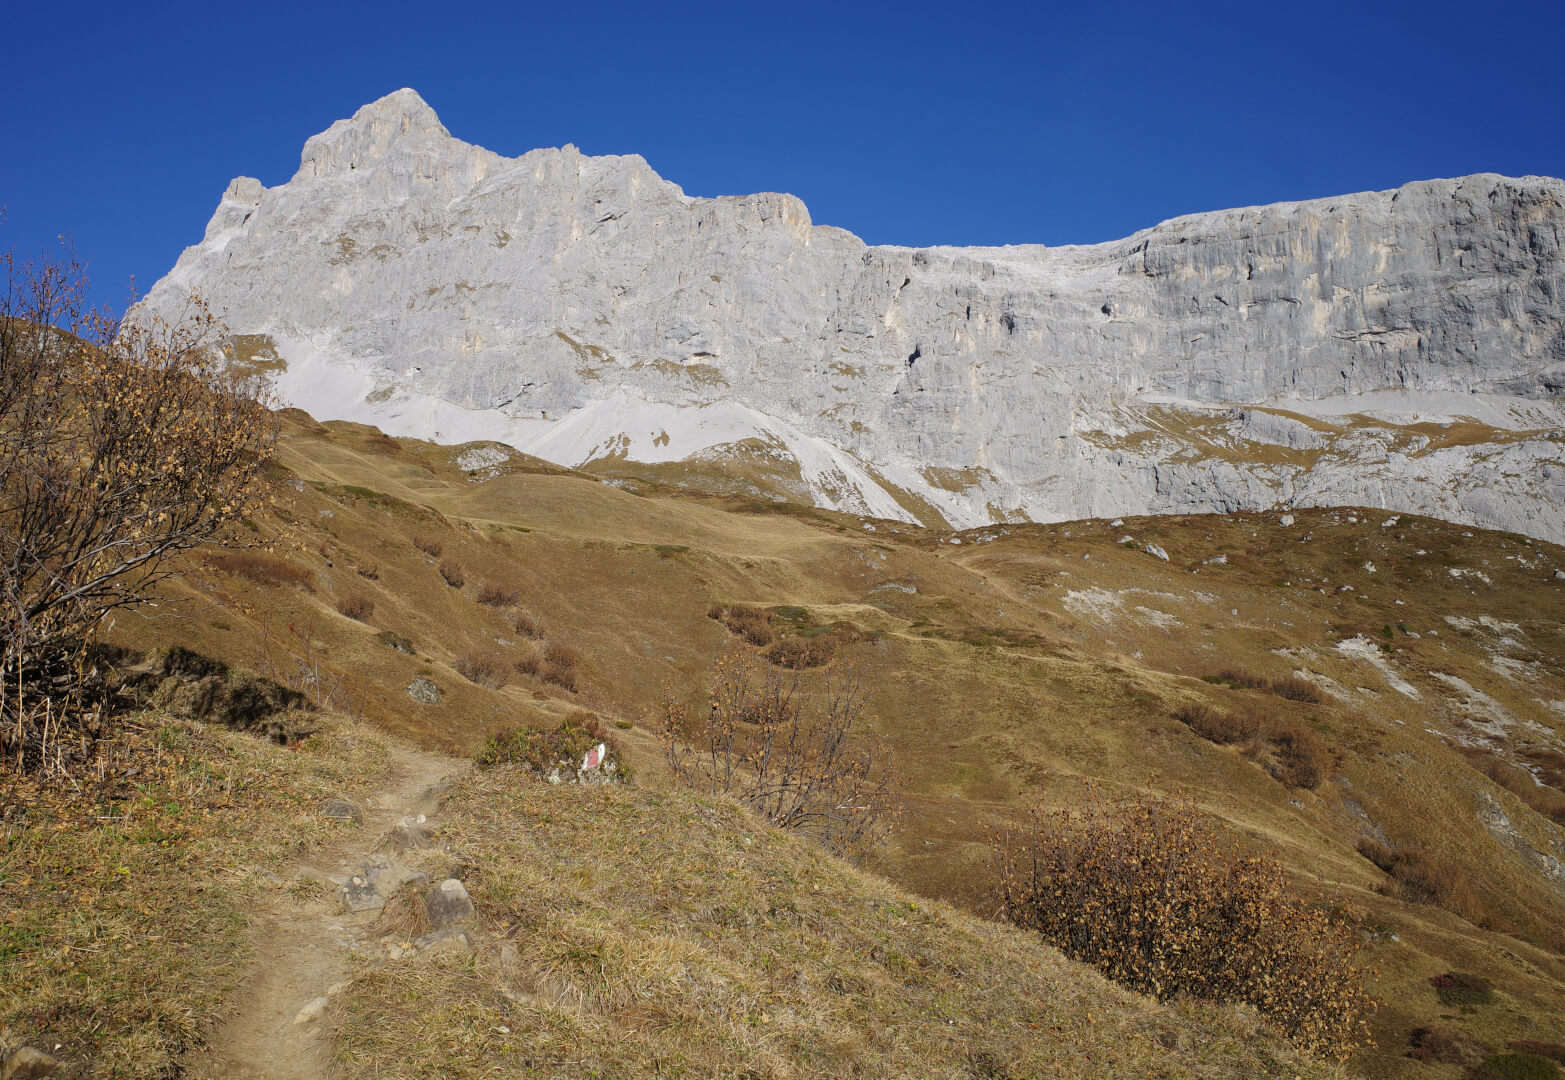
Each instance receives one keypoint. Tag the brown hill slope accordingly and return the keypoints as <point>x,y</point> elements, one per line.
<point>1009,664</point>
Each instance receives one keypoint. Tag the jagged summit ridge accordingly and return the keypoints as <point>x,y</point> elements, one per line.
<point>584,307</point>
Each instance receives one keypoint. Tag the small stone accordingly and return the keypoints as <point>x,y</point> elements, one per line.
<point>25,1063</point>
<point>1156,552</point>
<point>343,810</point>
<point>407,836</point>
<point>424,691</point>
<point>1559,575</point>
<point>313,1009</point>
<point>1285,520</point>
<point>447,904</point>
<point>1116,523</point>
<point>446,939</point>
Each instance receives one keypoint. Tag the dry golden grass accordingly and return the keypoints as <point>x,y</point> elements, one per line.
<point>630,934</point>
<point>993,682</point>
<point>123,910</point>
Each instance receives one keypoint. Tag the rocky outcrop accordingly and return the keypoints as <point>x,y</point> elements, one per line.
<point>1403,349</point>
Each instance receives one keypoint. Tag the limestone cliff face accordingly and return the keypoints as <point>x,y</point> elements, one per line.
<point>1403,349</point>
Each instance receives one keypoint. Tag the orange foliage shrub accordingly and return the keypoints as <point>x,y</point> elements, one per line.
<point>1158,898</point>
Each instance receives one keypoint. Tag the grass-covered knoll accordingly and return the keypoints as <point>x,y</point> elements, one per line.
<point>630,933</point>
<point>124,902</point>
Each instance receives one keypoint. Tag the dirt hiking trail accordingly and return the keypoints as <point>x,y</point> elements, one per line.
<point>273,1027</point>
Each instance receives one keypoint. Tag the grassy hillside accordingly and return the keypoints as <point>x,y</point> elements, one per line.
<point>1009,664</point>
<point>620,932</point>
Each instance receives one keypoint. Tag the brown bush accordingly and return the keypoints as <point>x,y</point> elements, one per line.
<point>1445,1046</point>
<point>429,546</point>
<point>495,594</point>
<point>527,625</point>
<point>797,653</point>
<point>1294,688</point>
<point>1552,1050</point>
<point>1215,726</point>
<point>1157,897</point>
<point>1302,759</point>
<point>1520,782</point>
<point>263,569</point>
<point>1422,876</point>
<point>529,661</point>
<point>1240,679</point>
<point>368,570</point>
<point>1463,989</point>
<point>559,666</point>
<point>452,573</point>
<point>356,606</point>
<point>484,666</point>
<point>1290,687</point>
<point>751,623</point>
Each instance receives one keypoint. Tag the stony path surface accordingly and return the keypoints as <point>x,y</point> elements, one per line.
<point>274,1028</point>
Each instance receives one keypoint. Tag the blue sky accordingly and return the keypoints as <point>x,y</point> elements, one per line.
<point>910,123</point>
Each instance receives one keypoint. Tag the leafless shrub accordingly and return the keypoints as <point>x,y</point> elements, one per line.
<point>496,594</point>
<point>1157,897</point>
<point>369,570</point>
<point>121,446</point>
<point>1422,876</point>
<point>484,666</point>
<point>559,666</point>
<point>796,751</point>
<point>1293,688</point>
<point>751,623</point>
<point>529,659</point>
<point>356,606</point>
<point>429,545</point>
<point>527,625</point>
<point>452,573</point>
<point>1302,758</point>
<point>1217,726</point>
<point>797,653</point>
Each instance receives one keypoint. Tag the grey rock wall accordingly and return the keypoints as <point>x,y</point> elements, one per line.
<point>1403,349</point>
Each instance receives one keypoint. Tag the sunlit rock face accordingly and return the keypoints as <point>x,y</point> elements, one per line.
<point>1402,349</point>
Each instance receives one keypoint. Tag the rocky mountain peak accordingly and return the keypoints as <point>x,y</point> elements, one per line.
<point>399,118</point>
<point>1402,349</point>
